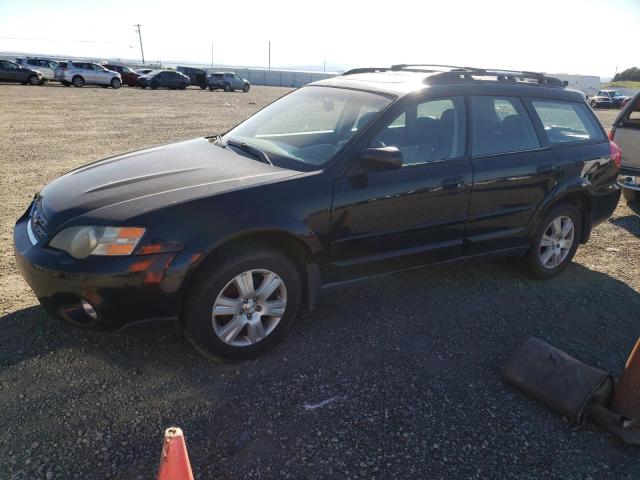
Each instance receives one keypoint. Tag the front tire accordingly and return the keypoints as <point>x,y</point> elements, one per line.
<point>246,88</point>
<point>631,196</point>
<point>556,242</point>
<point>33,80</point>
<point>77,81</point>
<point>242,304</point>
<point>116,83</point>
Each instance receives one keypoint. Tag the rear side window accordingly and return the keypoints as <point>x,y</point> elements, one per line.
<point>565,122</point>
<point>632,116</point>
<point>501,125</point>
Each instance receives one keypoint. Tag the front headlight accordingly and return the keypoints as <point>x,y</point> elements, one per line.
<point>80,242</point>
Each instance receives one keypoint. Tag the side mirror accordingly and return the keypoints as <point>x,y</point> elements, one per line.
<point>381,159</point>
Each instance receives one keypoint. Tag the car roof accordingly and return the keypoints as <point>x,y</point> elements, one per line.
<point>400,80</point>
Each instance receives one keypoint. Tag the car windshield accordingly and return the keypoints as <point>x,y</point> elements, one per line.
<point>310,125</point>
<point>616,94</point>
<point>126,70</point>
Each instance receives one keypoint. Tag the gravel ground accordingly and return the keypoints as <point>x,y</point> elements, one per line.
<point>412,362</point>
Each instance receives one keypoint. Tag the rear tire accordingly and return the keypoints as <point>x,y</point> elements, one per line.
<point>256,331</point>
<point>77,81</point>
<point>631,196</point>
<point>555,244</point>
<point>183,86</point>
<point>116,83</point>
<point>203,87</point>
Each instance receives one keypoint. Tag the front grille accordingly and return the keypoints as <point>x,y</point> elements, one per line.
<point>38,220</point>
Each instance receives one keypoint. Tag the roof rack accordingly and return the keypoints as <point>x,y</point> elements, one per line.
<point>353,71</point>
<point>454,73</point>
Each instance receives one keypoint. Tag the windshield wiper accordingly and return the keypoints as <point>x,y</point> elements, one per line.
<point>245,147</point>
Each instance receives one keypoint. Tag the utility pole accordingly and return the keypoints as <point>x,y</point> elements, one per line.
<point>212,55</point>
<point>140,37</point>
<point>269,55</point>
<point>324,65</point>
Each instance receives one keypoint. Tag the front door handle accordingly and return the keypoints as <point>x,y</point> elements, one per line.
<point>546,169</point>
<point>455,183</point>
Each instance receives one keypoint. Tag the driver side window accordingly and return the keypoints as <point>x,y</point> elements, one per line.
<point>427,131</point>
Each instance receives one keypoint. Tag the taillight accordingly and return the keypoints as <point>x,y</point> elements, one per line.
<point>612,133</point>
<point>616,154</point>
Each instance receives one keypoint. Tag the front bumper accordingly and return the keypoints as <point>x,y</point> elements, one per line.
<point>125,291</point>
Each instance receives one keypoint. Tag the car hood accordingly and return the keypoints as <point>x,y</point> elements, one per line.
<point>134,183</point>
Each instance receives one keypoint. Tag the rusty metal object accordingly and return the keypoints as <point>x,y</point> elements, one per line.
<point>558,380</point>
<point>626,395</point>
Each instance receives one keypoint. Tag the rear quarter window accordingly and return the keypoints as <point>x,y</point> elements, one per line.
<point>567,122</point>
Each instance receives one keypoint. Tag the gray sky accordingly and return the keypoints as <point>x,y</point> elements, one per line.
<point>556,36</point>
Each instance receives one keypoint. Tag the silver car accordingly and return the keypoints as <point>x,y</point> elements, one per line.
<point>45,66</point>
<point>626,134</point>
<point>79,73</point>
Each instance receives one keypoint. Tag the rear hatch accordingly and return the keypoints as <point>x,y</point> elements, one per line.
<point>626,134</point>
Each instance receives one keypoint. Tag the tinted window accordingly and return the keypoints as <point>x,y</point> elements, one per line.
<point>432,130</point>
<point>501,125</point>
<point>567,122</point>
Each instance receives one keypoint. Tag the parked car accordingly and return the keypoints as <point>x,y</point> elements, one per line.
<point>79,73</point>
<point>607,99</point>
<point>197,76</point>
<point>626,132</point>
<point>143,71</point>
<point>164,78</point>
<point>227,81</point>
<point>12,72</point>
<point>229,236</point>
<point>128,76</point>
<point>45,66</point>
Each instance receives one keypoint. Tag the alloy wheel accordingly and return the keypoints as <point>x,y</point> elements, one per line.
<point>249,308</point>
<point>556,242</point>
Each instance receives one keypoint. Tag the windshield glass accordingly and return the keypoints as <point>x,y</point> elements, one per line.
<point>311,124</point>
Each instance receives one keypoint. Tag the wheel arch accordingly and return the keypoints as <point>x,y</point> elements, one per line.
<point>575,193</point>
<point>283,241</point>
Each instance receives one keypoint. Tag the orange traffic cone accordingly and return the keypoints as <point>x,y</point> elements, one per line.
<point>626,395</point>
<point>174,460</point>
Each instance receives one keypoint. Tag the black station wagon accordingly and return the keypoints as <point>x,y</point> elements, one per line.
<point>373,171</point>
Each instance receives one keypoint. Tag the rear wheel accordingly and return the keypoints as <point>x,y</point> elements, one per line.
<point>78,81</point>
<point>116,83</point>
<point>202,87</point>
<point>556,242</point>
<point>631,196</point>
<point>182,86</point>
<point>243,304</point>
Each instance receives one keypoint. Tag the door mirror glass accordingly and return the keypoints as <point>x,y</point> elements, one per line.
<point>381,159</point>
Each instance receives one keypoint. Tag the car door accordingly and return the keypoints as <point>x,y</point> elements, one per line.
<point>513,171</point>
<point>5,72</point>
<point>391,220</point>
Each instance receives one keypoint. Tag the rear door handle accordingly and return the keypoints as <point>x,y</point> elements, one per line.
<point>455,183</point>
<point>546,169</point>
